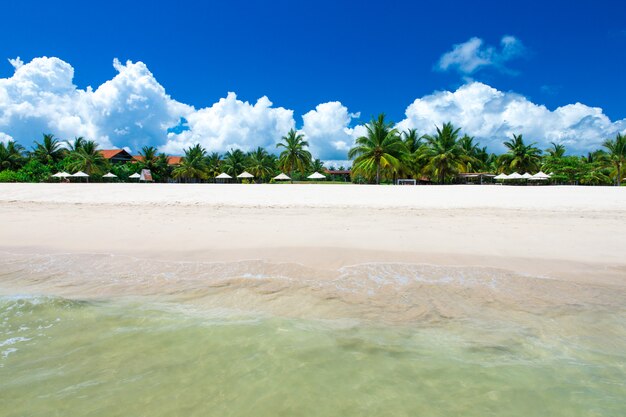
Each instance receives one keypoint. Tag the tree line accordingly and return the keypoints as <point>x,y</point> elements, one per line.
<point>383,154</point>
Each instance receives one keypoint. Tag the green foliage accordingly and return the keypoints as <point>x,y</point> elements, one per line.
<point>49,151</point>
<point>193,166</point>
<point>8,176</point>
<point>34,171</point>
<point>443,156</point>
<point>11,156</point>
<point>87,158</point>
<point>616,155</point>
<point>520,157</point>
<point>295,156</point>
<point>378,152</point>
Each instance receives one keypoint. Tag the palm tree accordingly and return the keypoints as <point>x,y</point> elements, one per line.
<point>381,148</point>
<point>617,155</point>
<point>11,155</point>
<point>234,162</point>
<point>409,165</point>
<point>214,164</point>
<point>259,164</point>
<point>76,145</point>
<point>317,166</point>
<point>49,151</point>
<point>295,156</point>
<point>193,164</point>
<point>162,167</point>
<point>443,155</point>
<point>556,150</point>
<point>520,157</point>
<point>148,158</point>
<point>87,159</point>
<point>472,154</point>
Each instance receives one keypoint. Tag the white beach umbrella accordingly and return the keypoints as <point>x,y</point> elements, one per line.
<point>515,176</point>
<point>540,176</point>
<point>245,174</point>
<point>136,176</point>
<point>502,176</point>
<point>527,175</point>
<point>316,176</point>
<point>62,175</point>
<point>223,176</point>
<point>281,177</point>
<point>109,175</point>
<point>80,174</point>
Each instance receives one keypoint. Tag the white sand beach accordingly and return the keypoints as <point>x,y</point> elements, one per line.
<point>528,229</point>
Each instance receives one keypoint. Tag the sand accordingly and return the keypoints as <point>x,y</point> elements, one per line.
<point>547,246</point>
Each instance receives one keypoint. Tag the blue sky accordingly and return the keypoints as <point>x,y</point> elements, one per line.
<point>371,58</point>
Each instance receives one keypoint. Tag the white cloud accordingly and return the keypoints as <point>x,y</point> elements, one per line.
<point>232,123</point>
<point>473,55</point>
<point>493,116</point>
<point>327,130</point>
<point>133,109</point>
<point>4,138</point>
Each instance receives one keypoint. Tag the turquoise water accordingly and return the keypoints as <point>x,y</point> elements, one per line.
<point>142,357</point>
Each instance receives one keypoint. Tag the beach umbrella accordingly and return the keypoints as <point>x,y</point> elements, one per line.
<point>80,174</point>
<point>245,175</point>
<point>281,177</point>
<point>62,174</point>
<point>109,175</point>
<point>316,176</point>
<point>502,176</point>
<point>223,176</point>
<point>540,176</point>
<point>136,176</point>
<point>527,175</point>
<point>515,176</point>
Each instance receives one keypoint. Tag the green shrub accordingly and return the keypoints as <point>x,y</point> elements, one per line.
<point>8,176</point>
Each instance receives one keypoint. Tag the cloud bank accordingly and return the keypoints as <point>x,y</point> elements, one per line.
<point>133,109</point>
<point>492,116</point>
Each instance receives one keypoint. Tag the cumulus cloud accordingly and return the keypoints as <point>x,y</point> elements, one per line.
<point>327,129</point>
<point>131,108</point>
<point>493,116</point>
<point>233,124</point>
<point>473,55</point>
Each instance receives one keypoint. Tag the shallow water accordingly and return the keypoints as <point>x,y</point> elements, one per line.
<point>254,339</point>
<point>134,357</point>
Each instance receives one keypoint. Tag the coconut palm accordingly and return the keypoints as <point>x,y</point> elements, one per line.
<point>259,164</point>
<point>472,152</point>
<point>49,151</point>
<point>317,166</point>
<point>87,159</point>
<point>234,162</point>
<point>616,154</point>
<point>192,165</point>
<point>76,144</point>
<point>214,164</point>
<point>11,156</point>
<point>148,158</point>
<point>520,157</point>
<point>409,166</point>
<point>442,154</point>
<point>295,155</point>
<point>556,150</point>
<point>380,149</point>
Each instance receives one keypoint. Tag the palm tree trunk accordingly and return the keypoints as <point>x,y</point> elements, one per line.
<point>378,173</point>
